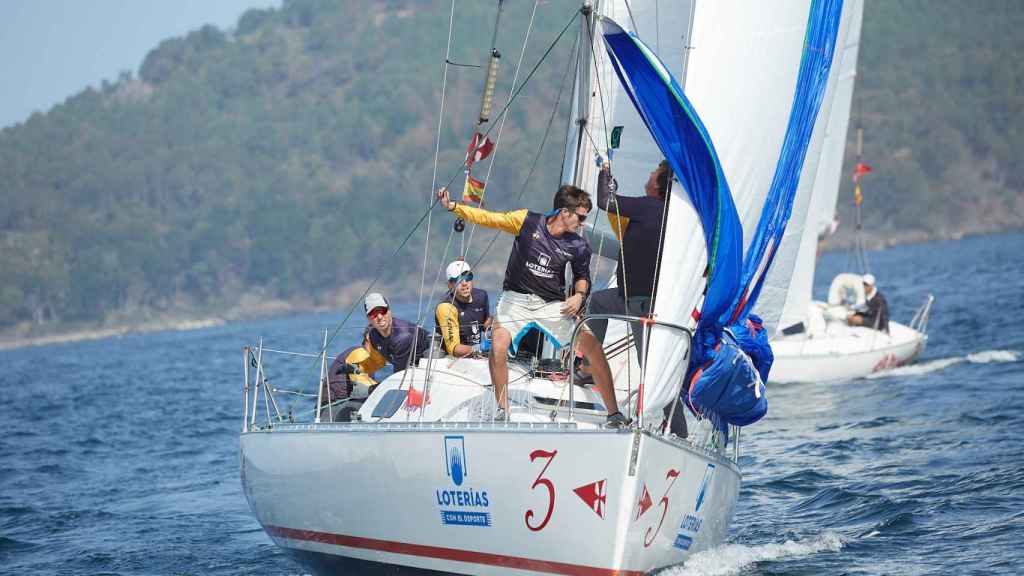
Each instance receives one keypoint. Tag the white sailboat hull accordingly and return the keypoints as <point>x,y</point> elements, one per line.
<point>482,498</point>
<point>844,353</point>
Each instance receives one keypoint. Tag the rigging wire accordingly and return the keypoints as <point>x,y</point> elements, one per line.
<point>540,149</point>
<point>437,279</point>
<point>618,220</point>
<point>486,102</point>
<point>501,125</point>
<point>430,193</point>
<point>607,147</point>
<point>629,9</point>
<point>522,86</point>
<point>437,153</point>
<point>657,26</point>
<point>385,262</point>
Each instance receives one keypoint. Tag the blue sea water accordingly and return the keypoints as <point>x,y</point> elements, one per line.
<point>120,456</point>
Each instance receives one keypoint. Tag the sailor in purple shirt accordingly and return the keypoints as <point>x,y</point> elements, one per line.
<point>392,340</point>
<point>533,294</point>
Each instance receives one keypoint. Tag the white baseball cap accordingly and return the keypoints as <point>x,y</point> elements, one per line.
<point>869,279</point>
<point>374,300</point>
<point>457,268</point>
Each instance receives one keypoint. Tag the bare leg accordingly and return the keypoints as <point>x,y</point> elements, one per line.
<point>594,354</point>
<point>497,362</point>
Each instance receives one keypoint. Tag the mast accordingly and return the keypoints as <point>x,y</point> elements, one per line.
<point>860,253</point>
<point>581,104</point>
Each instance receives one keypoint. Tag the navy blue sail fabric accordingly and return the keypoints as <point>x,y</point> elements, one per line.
<point>724,383</point>
<point>728,390</point>
<point>682,138</point>
<point>752,338</point>
<point>812,81</point>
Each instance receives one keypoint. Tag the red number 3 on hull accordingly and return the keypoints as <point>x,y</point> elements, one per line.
<point>542,481</point>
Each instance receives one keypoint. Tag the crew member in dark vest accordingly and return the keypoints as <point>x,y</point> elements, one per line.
<point>390,340</point>
<point>347,385</point>
<point>463,315</point>
<point>533,293</point>
<point>636,222</point>
<point>876,312</point>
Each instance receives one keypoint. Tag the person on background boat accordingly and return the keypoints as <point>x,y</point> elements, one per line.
<point>876,312</point>
<point>533,294</point>
<point>636,222</point>
<point>463,315</point>
<point>390,340</point>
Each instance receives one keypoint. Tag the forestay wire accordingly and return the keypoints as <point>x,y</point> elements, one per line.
<point>437,153</point>
<point>504,117</point>
<point>540,150</point>
<point>420,320</point>
<point>426,214</point>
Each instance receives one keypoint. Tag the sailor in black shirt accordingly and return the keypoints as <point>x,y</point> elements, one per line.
<point>876,313</point>
<point>534,288</point>
<point>637,222</point>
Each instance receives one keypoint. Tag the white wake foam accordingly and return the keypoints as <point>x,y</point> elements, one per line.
<point>986,357</point>
<point>989,356</point>
<point>731,558</point>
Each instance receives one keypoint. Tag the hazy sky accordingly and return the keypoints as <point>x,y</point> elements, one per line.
<point>52,49</point>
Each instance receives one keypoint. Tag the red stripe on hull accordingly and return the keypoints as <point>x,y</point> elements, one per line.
<point>447,553</point>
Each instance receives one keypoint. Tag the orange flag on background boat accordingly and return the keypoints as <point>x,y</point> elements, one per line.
<point>859,170</point>
<point>474,191</point>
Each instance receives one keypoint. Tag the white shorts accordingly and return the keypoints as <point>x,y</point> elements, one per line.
<point>517,313</point>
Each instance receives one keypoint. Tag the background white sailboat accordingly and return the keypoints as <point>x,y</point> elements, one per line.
<point>811,339</point>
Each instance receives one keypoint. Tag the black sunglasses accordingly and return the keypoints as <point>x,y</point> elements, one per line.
<point>464,277</point>
<point>582,217</point>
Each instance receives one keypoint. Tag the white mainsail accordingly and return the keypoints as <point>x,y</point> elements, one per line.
<point>787,291</point>
<point>665,28</point>
<point>741,77</point>
<point>738,64</point>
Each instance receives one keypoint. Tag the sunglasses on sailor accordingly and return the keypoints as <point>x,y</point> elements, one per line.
<point>376,312</point>
<point>464,277</point>
<point>581,217</point>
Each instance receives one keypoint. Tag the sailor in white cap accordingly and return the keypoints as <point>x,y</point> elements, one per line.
<point>463,315</point>
<point>876,309</point>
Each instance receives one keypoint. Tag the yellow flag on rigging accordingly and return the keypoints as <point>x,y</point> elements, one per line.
<point>474,191</point>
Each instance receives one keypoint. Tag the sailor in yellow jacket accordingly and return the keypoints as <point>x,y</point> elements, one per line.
<point>463,315</point>
<point>533,294</point>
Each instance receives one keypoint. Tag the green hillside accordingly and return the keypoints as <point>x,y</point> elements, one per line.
<point>940,94</point>
<point>288,157</point>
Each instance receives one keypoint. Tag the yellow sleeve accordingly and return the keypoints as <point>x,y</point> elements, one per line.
<point>448,319</point>
<point>510,222</point>
<point>375,362</point>
<point>619,224</point>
